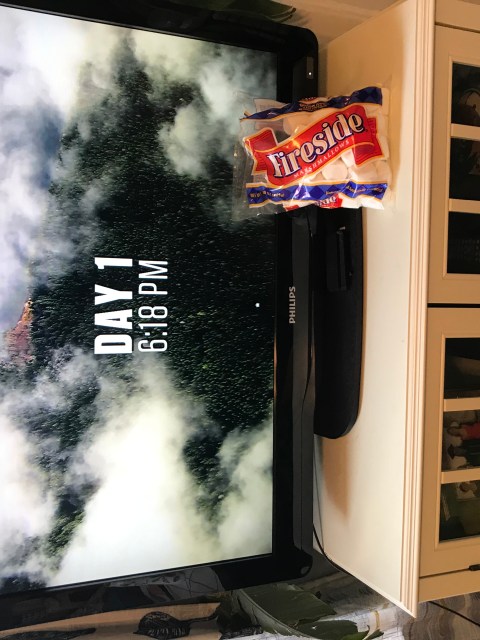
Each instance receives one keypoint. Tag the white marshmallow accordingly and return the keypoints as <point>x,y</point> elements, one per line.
<point>335,171</point>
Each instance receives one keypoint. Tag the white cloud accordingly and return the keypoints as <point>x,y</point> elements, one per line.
<point>22,197</point>
<point>210,125</point>
<point>188,141</point>
<point>28,491</point>
<point>27,505</point>
<point>59,58</point>
<point>246,515</point>
<point>38,91</point>
<point>225,80</point>
<point>144,516</point>
<point>180,58</point>
<point>145,495</point>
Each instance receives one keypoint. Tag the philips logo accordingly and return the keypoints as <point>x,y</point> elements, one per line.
<point>291,305</point>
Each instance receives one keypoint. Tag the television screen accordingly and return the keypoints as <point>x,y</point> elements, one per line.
<point>140,350</point>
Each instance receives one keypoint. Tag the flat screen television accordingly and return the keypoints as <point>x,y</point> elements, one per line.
<point>156,368</point>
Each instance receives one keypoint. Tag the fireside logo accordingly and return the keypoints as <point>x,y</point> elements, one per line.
<point>306,153</point>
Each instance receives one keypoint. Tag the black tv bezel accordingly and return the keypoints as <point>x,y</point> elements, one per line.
<point>297,65</point>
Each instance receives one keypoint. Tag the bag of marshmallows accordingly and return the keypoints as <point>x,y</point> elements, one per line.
<point>331,152</point>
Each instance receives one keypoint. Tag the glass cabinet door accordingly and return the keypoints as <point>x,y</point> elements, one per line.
<point>451,494</point>
<point>455,213</point>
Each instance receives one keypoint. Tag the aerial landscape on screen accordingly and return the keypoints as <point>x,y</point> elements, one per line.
<point>136,314</point>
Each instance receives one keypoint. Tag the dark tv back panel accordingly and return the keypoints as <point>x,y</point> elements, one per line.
<point>338,319</point>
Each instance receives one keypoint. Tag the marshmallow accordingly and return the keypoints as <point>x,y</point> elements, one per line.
<point>335,170</point>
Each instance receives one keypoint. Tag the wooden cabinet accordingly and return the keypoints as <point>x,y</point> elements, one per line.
<point>450,536</point>
<point>400,494</point>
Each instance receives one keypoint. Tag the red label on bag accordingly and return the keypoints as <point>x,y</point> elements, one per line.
<point>315,146</point>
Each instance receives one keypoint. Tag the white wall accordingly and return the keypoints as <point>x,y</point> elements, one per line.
<point>330,18</point>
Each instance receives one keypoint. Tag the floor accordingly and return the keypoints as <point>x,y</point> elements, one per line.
<point>352,600</point>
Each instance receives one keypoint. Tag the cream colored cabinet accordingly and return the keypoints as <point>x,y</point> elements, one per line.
<point>400,494</point>
<point>450,537</point>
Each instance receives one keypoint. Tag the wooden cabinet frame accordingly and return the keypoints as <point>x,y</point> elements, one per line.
<point>455,555</point>
<point>451,45</point>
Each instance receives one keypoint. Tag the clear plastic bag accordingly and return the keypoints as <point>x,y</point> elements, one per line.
<point>332,152</point>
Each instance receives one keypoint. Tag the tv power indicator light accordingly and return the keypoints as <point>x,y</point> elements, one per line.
<point>310,67</point>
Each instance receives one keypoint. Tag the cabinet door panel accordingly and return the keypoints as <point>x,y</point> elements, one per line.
<point>450,538</point>
<point>454,269</point>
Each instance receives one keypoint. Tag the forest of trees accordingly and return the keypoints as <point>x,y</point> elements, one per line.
<point>220,345</point>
